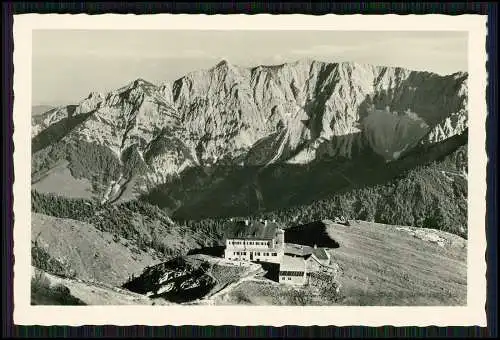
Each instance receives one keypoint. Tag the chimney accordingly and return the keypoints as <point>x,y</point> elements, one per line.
<point>247,222</point>
<point>265,223</point>
<point>315,246</point>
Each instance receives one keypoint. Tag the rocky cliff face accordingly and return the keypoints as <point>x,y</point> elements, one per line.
<point>307,104</point>
<point>295,113</point>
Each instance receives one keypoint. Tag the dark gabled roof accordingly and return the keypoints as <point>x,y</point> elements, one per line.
<point>320,253</point>
<point>254,231</point>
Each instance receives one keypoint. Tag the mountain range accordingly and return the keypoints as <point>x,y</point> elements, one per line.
<point>232,140</point>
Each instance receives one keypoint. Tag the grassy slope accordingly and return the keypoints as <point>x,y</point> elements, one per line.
<point>45,292</point>
<point>91,293</point>
<point>386,266</point>
<point>266,292</point>
<point>144,225</point>
<point>89,253</point>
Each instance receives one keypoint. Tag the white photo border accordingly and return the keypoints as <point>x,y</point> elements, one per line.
<point>473,314</point>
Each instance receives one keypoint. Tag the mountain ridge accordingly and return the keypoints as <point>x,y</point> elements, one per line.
<point>295,113</point>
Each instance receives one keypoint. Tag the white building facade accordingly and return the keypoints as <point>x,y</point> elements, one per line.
<point>263,243</point>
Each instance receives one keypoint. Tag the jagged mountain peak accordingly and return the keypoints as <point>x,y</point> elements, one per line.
<point>223,63</point>
<point>137,84</point>
<point>460,74</point>
<point>140,81</point>
<point>225,67</point>
<point>95,95</point>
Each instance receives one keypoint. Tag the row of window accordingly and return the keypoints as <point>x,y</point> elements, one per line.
<point>267,254</point>
<point>256,243</point>
<point>292,273</point>
<point>256,253</point>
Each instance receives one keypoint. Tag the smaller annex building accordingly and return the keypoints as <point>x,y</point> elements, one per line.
<point>300,261</point>
<point>293,270</point>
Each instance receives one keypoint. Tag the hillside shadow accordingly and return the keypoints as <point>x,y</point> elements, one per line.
<point>216,251</point>
<point>272,270</point>
<point>231,190</point>
<point>310,234</point>
<point>57,131</point>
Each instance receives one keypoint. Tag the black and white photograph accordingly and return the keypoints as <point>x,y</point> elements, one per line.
<point>251,167</point>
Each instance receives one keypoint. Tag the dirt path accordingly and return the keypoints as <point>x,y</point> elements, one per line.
<point>210,299</point>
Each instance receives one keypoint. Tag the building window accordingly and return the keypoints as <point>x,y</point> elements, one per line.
<point>274,254</point>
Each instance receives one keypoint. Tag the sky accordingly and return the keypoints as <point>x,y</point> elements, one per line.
<point>69,64</point>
